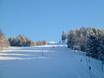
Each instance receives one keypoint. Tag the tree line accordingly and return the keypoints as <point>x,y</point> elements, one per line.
<point>89,40</point>
<point>19,40</point>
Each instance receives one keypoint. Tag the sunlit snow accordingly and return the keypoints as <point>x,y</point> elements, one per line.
<point>50,61</point>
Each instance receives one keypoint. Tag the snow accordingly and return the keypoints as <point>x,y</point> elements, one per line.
<point>52,42</point>
<point>49,61</point>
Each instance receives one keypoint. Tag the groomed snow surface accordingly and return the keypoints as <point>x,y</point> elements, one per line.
<point>51,61</point>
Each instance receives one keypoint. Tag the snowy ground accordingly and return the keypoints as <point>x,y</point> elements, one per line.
<point>51,61</point>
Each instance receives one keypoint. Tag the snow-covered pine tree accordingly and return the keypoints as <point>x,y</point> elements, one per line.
<point>92,46</point>
<point>70,39</point>
<point>94,43</point>
<point>63,37</point>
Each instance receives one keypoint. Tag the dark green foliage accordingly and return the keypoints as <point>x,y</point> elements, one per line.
<point>63,36</point>
<point>92,46</point>
<point>14,42</point>
<point>71,40</point>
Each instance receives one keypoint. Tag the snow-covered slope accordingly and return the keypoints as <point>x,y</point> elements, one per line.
<point>51,61</point>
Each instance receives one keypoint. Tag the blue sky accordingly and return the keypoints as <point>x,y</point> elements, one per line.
<point>46,19</point>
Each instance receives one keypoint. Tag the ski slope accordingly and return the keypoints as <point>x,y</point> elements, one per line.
<point>51,61</point>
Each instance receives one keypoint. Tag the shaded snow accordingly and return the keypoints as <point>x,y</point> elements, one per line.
<point>50,61</point>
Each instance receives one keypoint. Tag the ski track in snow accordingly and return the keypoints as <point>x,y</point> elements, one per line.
<point>51,61</point>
